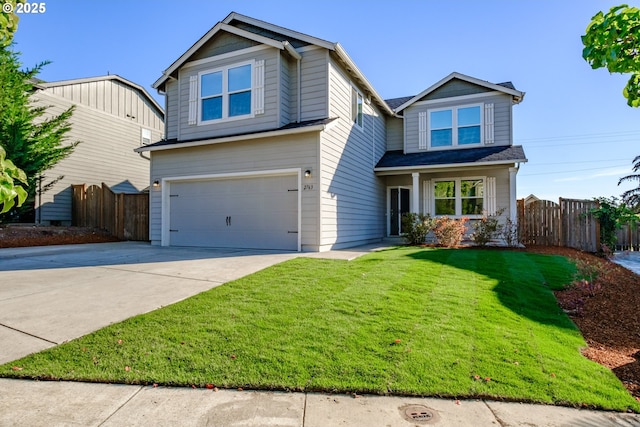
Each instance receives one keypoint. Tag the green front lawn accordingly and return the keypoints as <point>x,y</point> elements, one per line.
<point>409,321</point>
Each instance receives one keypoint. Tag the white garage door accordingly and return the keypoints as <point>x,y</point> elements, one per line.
<point>258,213</point>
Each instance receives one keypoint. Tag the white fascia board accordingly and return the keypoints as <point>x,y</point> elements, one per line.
<point>261,135</point>
<point>391,170</point>
<point>277,29</point>
<point>143,91</point>
<point>514,93</point>
<point>353,69</point>
<point>220,26</point>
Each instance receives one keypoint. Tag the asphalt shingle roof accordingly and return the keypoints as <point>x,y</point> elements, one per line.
<point>299,125</point>
<point>506,154</point>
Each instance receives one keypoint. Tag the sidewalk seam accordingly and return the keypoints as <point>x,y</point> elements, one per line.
<point>27,333</point>
<point>121,406</point>
<point>304,410</point>
<point>502,423</point>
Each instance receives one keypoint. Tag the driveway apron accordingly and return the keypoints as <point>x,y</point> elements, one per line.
<point>49,295</point>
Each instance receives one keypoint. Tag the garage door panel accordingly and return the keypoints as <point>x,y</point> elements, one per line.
<point>252,212</point>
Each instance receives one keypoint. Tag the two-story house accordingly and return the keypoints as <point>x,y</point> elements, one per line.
<point>276,140</point>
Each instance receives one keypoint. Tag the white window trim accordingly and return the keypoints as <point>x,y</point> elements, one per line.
<point>225,94</point>
<point>458,197</point>
<point>361,97</point>
<point>454,126</point>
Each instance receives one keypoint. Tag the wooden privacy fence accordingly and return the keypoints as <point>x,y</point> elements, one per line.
<point>628,238</point>
<point>567,223</point>
<point>125,216</point>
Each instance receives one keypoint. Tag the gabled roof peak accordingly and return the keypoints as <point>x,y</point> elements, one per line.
<point>506,88</point>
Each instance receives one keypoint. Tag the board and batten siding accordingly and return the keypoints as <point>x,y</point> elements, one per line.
<point>112,97</point>
<point>105,154</point>
<point>501,117</point>
<point>284,152</point>
<point>259,122</point>
<point>352,196</point>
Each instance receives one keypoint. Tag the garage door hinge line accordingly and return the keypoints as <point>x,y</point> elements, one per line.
<point>27,333</point>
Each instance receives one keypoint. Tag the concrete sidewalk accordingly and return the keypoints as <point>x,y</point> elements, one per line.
<point>32,403</point>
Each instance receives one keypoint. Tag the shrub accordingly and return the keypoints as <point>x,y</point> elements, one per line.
<point>485,229</point>
<point>449,232</point>
<point>510,233</point>
<point>416,227</point>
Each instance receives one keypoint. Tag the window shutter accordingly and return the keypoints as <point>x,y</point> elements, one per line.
<point>258,87</point>
<point>426,185</point>
<point>193,99</point>
<point>488,123</point>
<point>422,130</point>
<point>491,196</point>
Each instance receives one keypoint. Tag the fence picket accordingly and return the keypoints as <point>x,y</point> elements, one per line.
<point>567,223</point>
<point>125,216</point>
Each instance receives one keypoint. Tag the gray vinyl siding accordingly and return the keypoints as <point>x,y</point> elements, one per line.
<point>268,120</point>
<point>173,115</point>
<point>222,43</point>
<point>285,90</point>
<point>395,128</point>
<point>501,117</point>
<point>352,196</point>
<point>105,154</point>
<point>455,87</point>
<point>315,84</point>
<point>285,152</point>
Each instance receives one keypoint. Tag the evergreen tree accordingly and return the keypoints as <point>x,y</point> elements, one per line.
<point>32,140</point>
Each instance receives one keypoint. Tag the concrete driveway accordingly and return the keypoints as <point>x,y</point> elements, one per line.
<point>49,295</point>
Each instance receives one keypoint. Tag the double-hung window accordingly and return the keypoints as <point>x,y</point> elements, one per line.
<point>459,196</point>
<point>456,126</point>
<point>226,92</point>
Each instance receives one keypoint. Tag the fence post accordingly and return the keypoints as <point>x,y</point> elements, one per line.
<point>78,204</point>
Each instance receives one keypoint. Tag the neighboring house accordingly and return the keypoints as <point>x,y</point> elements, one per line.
<point>112,117</point>
<point>276,140</point>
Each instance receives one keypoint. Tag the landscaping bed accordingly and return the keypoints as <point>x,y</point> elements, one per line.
<point>14,236</point>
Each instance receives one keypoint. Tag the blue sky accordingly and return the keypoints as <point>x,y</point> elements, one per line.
<point>578,133</point>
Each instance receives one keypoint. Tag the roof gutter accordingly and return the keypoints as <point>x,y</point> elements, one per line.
<point>275,133</point>
<point>448,166</point>
<point>353,68</point>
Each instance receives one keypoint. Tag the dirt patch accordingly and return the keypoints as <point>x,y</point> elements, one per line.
<point>14,236</point>
<point>608,319</point>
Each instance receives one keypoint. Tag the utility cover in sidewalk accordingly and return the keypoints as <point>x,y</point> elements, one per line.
<point>419,414</point>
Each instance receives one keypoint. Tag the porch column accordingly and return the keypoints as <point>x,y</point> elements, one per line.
<point>415,206</point>
<point>513,209</point>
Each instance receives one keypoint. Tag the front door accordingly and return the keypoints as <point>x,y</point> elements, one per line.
<point>399,204</point>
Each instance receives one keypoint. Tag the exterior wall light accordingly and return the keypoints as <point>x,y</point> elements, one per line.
<point>156,184</point>
<point>307,173</point>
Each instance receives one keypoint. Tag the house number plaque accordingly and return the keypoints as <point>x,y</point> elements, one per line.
<point>307,187</point>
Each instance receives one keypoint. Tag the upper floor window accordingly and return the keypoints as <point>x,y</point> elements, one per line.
<point>356,107</point>
<point>225,92</point>
<point>450,127</point>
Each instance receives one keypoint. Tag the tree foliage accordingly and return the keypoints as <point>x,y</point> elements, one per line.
<point>632,197</point>
<point>9,190</point>
<point>611,215</point>
<point>8,22</point>
<point>32,139</point>
<point>612,40</point>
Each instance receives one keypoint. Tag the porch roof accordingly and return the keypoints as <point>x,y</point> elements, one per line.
<point>484,156</point>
